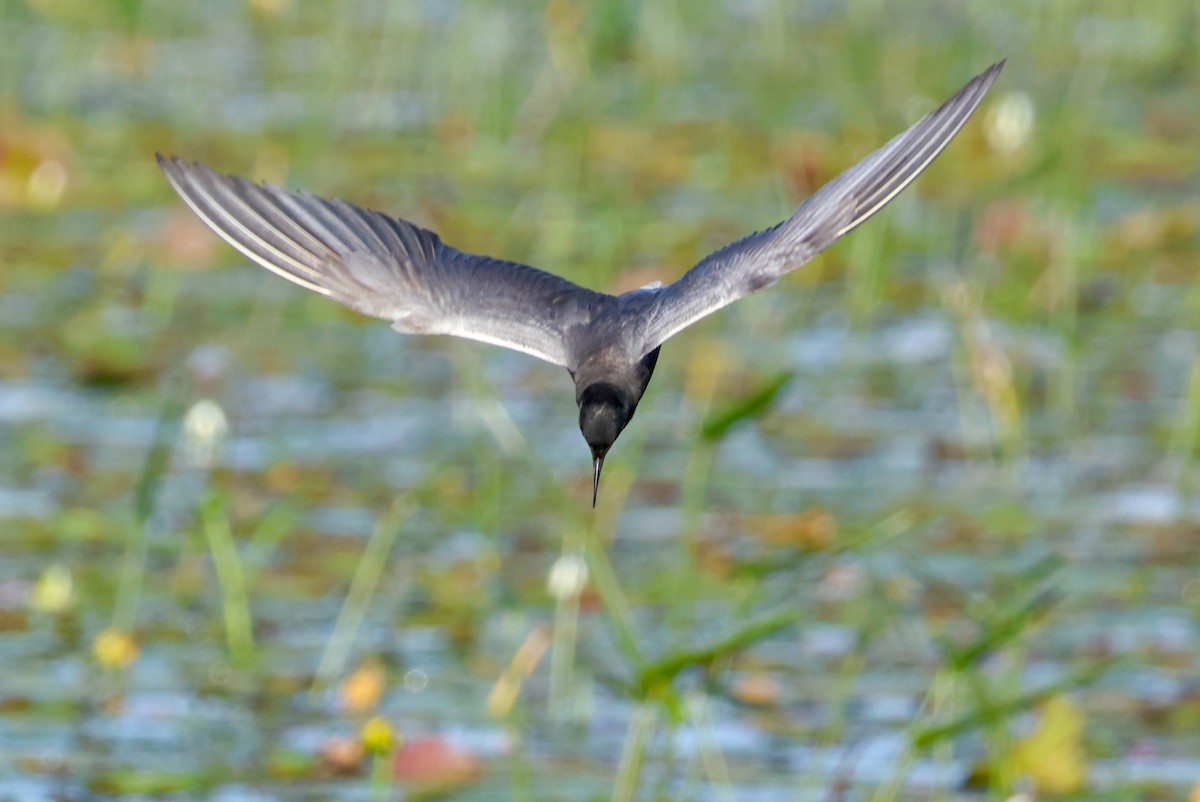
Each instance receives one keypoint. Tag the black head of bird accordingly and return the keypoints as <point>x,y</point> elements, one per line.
<point>604,411</point>
<point>389,268</point>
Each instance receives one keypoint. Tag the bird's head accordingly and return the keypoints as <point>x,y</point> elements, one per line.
<point>603,412</point>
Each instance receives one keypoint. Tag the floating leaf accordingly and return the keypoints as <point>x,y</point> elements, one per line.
<point>432,763</point>
<point>270,8</point>
<point>126,783</point>
<point>342,755</point>
<point>756,689</point>
<point>814,528</point>
<point>1052,755</point>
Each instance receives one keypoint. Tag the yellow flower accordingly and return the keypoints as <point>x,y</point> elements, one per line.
<point>115,648</point>
<point>54,591</point>
<point>377,736</point>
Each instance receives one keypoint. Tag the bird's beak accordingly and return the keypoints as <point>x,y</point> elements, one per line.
<point>599,463</point>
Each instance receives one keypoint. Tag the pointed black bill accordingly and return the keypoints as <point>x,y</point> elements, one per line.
<point>599,463</point>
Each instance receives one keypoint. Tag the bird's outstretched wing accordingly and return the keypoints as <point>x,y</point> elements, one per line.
<point>759,260</point>
<point>386,267</point>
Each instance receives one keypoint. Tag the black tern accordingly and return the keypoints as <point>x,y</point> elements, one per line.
<point>389,268</point>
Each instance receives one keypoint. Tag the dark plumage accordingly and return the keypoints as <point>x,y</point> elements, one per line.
<point>389,268</point>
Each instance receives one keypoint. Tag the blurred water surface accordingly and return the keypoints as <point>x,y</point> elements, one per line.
<point>922,519</point>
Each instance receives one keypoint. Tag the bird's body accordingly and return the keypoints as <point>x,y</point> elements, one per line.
<point>389,268</point>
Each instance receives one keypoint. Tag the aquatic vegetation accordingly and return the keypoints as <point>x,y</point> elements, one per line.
<point>939,540</point>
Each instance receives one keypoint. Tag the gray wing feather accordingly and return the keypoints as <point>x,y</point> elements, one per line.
<point>759,260</point>
<point>386,267</point>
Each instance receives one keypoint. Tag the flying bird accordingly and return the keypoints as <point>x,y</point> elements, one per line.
<point>389,268</point>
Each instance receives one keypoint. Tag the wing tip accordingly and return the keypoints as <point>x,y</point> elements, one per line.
<point>169,165</point>
<point>964,102</point>
<point>988,76</point>
<point>173,165</point>
<point>180,172</point>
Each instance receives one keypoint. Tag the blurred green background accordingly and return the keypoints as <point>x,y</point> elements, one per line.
<point>920,522</point>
